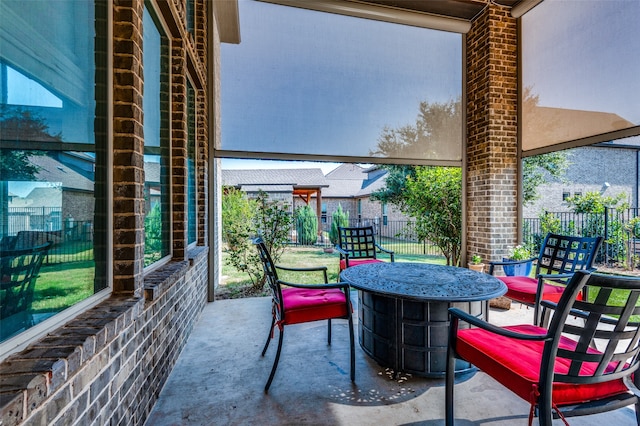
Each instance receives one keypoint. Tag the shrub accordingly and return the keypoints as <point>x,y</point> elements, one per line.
<point>306,225</point>
<point>339,218</point>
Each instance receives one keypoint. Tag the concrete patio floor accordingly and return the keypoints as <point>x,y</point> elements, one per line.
<point>220,375</point>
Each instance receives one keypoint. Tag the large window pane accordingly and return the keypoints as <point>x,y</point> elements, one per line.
<point>315,83</point>
<point>580,71</point>
<point>156,140</point>
<point>52,157</point>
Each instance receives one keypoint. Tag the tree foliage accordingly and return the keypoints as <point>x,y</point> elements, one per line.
<point>434,198</point>
<point>306,225</point>
<point>594,202</point>
<point>243,220</point>
<point>437,126</point>
<point>537,170</point>
<point>339,218</point>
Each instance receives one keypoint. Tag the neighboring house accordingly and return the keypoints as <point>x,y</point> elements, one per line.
<point>351,187</point>
<point>609,171</point>
<point>67,199</point>
<point>293,187</point>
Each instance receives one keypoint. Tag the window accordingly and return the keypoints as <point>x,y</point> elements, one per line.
<point>385,218</point>
<point>324,213</point>
<point>565,195</point>
<point>157,223</point>
<point>53,161</point>
<point>192,224</point>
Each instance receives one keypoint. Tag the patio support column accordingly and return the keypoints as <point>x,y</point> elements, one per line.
<point>492,142</point>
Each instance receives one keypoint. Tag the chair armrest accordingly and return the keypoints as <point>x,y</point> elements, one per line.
<point>341,251</point>
<point>391,253</point>
<point>555,276</point>
<point>475,321</point>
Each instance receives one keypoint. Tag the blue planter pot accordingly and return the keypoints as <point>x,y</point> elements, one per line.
<point>520,269</point>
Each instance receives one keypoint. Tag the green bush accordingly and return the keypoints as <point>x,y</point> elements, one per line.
<point>306,225</point>
<point>242,221</point>
<point>339,218</point>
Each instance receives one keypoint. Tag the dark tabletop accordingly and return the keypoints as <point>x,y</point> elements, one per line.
<point>423,281</point>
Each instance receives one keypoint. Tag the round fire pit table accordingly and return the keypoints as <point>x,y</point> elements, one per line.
<point>403,318</point>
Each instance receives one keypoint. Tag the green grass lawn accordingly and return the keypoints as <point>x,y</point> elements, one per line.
<point>237,282</point>
<point>62,285</point>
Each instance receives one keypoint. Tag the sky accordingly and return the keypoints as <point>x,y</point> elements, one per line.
<point>316,83</point>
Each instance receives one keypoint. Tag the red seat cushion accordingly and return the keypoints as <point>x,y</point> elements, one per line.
<point>304,305</point>
<point>516,364</point>
<point>354,262</point>
<point>523,289</point>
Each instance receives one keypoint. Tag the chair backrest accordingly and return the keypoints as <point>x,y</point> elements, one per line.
<point>271,276</point>
<point>358,242</point>
<point>607,323</point>
<point>564,254</point>
<point>18,272</point>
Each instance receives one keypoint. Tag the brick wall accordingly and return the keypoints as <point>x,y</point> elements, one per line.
<point>492,167</point>
<point>108,364</point>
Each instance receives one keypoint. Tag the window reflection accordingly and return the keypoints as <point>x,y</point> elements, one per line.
<point>49,155</point>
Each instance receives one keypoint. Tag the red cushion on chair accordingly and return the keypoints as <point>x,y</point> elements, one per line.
<point>523,289</point>
<point>354,262</point>
<point>303,305</point>
<point>516,364</point>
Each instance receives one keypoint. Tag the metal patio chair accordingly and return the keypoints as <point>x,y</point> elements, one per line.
<point>357,245</point>
<point>583,364</point>
<point>300,303</point>
<point>18,273</point>
<point>559,258</point>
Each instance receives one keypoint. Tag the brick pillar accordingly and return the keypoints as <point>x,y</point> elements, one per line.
<point>179,148</point>
<point>492,167</point>
<point>128,149</point>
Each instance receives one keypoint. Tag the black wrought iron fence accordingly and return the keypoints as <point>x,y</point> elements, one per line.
<point>30,226</point>
<point>618,227</point>
<point>397,235</point>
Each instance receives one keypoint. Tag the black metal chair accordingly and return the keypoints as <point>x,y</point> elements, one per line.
<point>559,258</point>
<point>300,303</point>
<point>357,245</point>
<point>18,273</point>
<point>582,364</point>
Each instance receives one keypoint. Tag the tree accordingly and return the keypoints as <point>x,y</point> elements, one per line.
<point>537,169</point>
<point>438,209</point>
<point>339,218</point>
<point>306,225</point>
<point>242,221</point>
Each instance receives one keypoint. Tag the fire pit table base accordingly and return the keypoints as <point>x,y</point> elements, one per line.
<point>410,336</point>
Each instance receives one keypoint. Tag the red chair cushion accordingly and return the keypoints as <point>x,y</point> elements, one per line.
<point>523,289</point>
<point>516,364</point>
<point>304,305</point>
<point>354,262</point>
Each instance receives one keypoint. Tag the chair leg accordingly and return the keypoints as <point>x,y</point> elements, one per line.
<point>329,332</point>
<point>266,345</point>
<point>353,349</point>
<point>275,361</point>
<point>449,383</point>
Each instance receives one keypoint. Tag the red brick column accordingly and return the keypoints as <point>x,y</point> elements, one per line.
<point>492,167</point>
<point>128,148</point>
